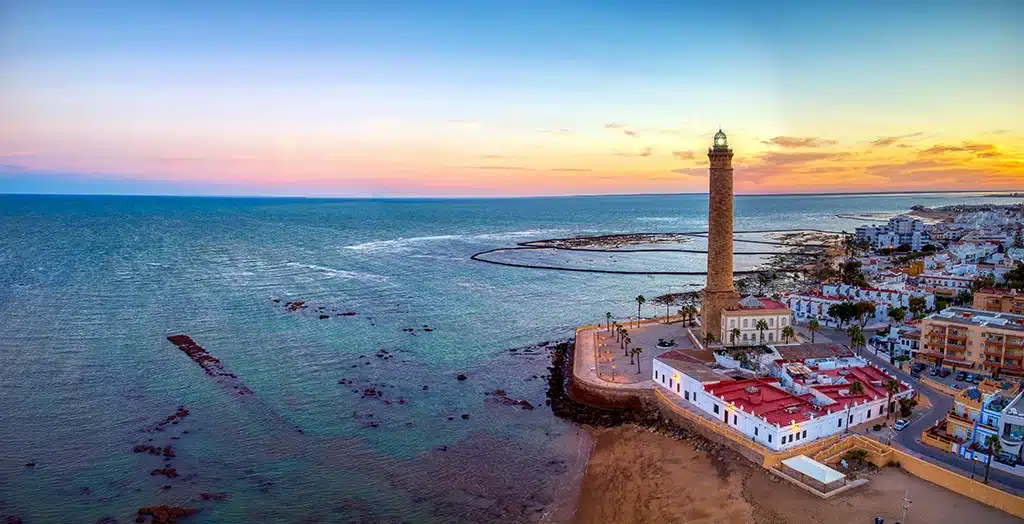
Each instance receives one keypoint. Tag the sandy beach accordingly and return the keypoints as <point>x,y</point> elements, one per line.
<point>635,476</point>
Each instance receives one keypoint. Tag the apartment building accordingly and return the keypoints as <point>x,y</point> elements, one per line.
<point>1000,300</point>
<point>983,341</point>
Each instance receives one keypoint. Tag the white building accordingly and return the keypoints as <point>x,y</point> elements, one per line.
<point>899,231</point>
<point>764,411</point>
<point>745,317</point>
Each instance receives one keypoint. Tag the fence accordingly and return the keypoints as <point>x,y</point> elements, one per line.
<point>940,387</point>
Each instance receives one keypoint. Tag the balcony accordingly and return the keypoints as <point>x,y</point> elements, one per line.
<point>996,354</point>
<point>963,420</point>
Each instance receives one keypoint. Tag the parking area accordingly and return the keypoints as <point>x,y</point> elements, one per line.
<point>960,379</point>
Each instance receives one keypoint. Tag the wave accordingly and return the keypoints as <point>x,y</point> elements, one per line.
<point>399,244</point>
<point>341,273</point>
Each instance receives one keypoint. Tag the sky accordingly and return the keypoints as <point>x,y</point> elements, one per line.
<point>503,98</point>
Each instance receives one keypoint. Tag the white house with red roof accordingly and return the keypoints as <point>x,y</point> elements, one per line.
<point>805,402</point>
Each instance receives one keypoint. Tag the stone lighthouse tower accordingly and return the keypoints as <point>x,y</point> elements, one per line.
<point>719,292</point>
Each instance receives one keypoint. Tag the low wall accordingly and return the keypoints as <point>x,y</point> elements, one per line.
<point>940,387</point>
<point>605,397</point>
<point>978,491</point>
<point>731,438</point>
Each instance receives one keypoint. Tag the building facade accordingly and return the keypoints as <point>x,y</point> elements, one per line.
<point>1000,300</point>
<point>745,316</point>
<point>983,341</point>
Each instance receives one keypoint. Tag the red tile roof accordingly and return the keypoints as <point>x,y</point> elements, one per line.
<point>765,400</point>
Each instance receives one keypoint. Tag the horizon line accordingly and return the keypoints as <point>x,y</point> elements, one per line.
<point>1007,192</point>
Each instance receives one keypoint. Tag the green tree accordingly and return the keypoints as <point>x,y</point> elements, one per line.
<point>637,351</point>
<point>855,331</point>
<point>735,334</point>
<point>917,305</point>
<point>865,310</point>
<point>640,300</point>
<point>762,326</point>
<point>788,333</point>
<point>993,447</point>
<point>608,320</point>
<point>897,314</point>
<point>986,281</point>
<point>1015,277</point>
<point>892,387</point>
<point>813,326</point>
<point>963,298</point>
<point>1018,238</point>
<point>844,312</point>
<point>857,388</point>
<point>709,337</point>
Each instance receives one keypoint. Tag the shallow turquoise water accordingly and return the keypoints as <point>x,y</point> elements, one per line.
<point>91,286</point>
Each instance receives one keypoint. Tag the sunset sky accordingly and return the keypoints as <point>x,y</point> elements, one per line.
<point>508,98</point>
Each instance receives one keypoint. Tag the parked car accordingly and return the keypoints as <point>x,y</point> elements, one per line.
<point>945,373</point>
<point>976,379</point>
<point>917,367</point>
<point>900,424</point>
<point>969,378</point>
<point>934,372</point>
<point>961,375</point>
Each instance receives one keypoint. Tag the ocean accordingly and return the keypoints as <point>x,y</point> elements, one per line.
<point>91,286</point>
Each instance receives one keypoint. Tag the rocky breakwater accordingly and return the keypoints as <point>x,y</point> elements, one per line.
<point>210,364</point>
<point>563,406</point>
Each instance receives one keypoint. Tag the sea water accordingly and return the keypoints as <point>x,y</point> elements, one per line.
<point>90,287</point>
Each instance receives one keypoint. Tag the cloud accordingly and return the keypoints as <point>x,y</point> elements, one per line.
<point>775,158</point>
<point>885,141</point>
<point>15,154</point>
<point>494,157</point>
<point>648,151</point>
<point>692,171</point>
<point>626,130</point>
<point>794,141</point>
<point>684,155</point>
<point>502,168</point>
<point>572,169</point>
<point>615,125</point>
<point>981,150</point>
<point>560,131</point>
<point>630,132</point>
<point>989,154</point>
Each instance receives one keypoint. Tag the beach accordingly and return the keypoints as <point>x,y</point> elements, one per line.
<point>637,476</point>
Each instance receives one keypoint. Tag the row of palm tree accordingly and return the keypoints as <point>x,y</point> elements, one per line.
<point>762,326</point>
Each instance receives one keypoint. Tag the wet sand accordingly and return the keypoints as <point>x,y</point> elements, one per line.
<point>635,476</point>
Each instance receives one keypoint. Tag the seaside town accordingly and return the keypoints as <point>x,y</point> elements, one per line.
<point>902,346</point>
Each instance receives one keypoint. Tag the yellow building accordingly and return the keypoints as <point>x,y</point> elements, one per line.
<point>982,341</point>
<point>1000,300</point>
<point>916,267</point>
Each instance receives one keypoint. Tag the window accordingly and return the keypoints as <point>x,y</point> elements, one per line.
<point>804,435</point>
<point>735,420</point>
<point>744,322</point>
<point>851,419</point>
<point>677,387</point>
<point>686,395</point>
<point>784,320</point>
<point>716,409</point>
<point>869,413</point>
<point>669,383</point>
<point>655,374</point>
<point>771,322</point>
<point>732,322</point>
<point>744,336</point>
<point>755,431</point>
<point>771,336</point>
<point>663,379</point>
<point>840,421</point>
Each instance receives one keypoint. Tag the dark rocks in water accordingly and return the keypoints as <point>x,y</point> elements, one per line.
<point>168,472</point>
<point>165,487</point>
<point>425,387</point>
<point>178,415</point>
<point>347,314</point>
<point>345,381</point>
<point>215,496</point>
<point>168,452</point>
<point>13,520</point>
<point>295,306</point>
<point>106,520</point>
<point>166,514</point>
<point>500,396</point>
<point>462,377</point>
<point>145,449</point>
<point>465,416</point>
<point>428,329</point>
<point>544,344</point>
<point>210,364</point>
<point>372,393</point>
<point>497,393</point>
<point>30,464</point>
<point>324,316</point>
<point>451,418</point>
<point>442,448</point>
<point>275,300</point>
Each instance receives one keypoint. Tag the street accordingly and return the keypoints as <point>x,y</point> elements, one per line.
<point>909,438</point>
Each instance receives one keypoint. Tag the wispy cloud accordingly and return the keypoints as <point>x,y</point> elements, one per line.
<point>647,151</point>
<point>684,155</point>
<point>615,125</point>
<point>15,154</point>
<point>775,158</point>
<point>796,142</point>
<point>885,141</point>
<point>559,131</point>
<point>494,157</point>
<point>630,132</point>
<point>572,169</point>
<point>978,149</point>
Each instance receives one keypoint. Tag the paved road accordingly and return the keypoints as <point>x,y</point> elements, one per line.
<point>909,438</point>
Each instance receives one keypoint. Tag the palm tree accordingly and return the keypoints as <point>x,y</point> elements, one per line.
<point>856,388</point>
<point>854,331</point>
<point>608,319</point>
<point>639,302</point>
<point>892,387</point>
<point>860,342</point>
<point>631,353</point>
<point>813,326</point>
<point>637,352</point>
<point>788,333</point>
<point>709,337</point>
<point>762,326</point>
<point>626,342</point>
<point>993,446</point>
<point>735,333</point>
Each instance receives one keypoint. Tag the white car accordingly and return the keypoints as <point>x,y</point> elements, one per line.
<point>900,424</point>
